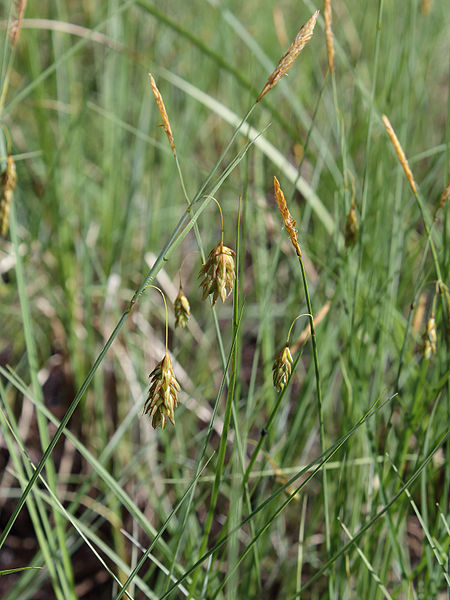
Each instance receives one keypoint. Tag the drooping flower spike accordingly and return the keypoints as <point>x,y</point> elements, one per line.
<point>182,309</point>
<point>218,272</point>
<point>162,397</point>
<point>282,364</point>
<point>163,394</point>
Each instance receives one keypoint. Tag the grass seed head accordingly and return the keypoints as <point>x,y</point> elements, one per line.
<point>163,394</point>
<point>282,368</point>
<point>327,15</point>
<point>218,273</point>
<point>289,221</point>
<point>163,113</point>
<point>285,63</point>
<point>182,309</point>
<point>351,228</point>
<point>400,154</point>
<point>8,180</point>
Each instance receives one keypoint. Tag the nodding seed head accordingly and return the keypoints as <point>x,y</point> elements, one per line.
<point>182,309</point>
<point>163,394</point>
<point>282,368</point>
<point>218,273</point>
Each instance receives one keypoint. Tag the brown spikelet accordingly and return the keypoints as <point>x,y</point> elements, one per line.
<point>218,273</point>
<point>163,394</point>
<point>351,228</point>
<point>16,25</point>
<point>400,154</point>
<point>328,17</point>
<point>445,196</point>
<point>288,220</point>
<point>182,309</point>
<point>163,113</point>
<point>7,186</point>
<point>282,368</point>
<point>285,63</point>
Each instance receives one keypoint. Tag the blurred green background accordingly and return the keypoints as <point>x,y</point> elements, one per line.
<point>97,198</point>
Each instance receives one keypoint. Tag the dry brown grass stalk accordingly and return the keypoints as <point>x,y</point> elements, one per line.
<point>289,221</point>
<point>285,63</point>
<point>400,154</point>
<point>15,27</point>
<point>163,113</point>
<point>328,17</point>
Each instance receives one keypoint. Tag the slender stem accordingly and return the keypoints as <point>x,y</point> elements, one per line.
<point>227,417</point>
<point>221,215</point>
<point>268,425</point>
<point>6,80</point>
<point>319,405</point>
<point>155,287</point>
<point>293,323</point>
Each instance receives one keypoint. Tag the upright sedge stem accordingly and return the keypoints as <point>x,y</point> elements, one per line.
<point>272,414</point>
<point>229,411</point>
<point>168,130</point>
<point>289,223</point>
<point>319,405</point>
<point>14,27</point>
<point>409,176</point>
